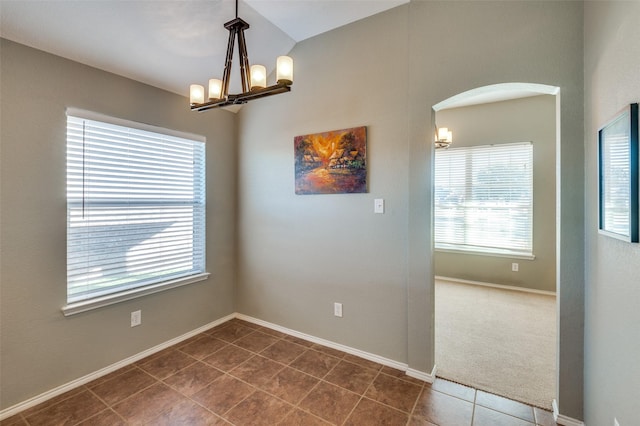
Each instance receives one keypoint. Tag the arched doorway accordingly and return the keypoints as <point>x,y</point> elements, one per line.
<point>508,95</point>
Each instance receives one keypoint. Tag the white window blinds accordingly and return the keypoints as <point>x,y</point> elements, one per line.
<point>484,199</point>
<point>615,172</point>
<point>135,208</point>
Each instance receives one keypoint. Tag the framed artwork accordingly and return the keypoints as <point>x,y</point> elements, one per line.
<point>618,175</point>
<point>332,162</point>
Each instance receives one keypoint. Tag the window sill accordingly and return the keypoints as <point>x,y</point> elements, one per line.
<point>99,302</point>
<point>505,253</point>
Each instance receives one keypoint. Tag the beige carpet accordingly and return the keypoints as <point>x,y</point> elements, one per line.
<point>500,341</point>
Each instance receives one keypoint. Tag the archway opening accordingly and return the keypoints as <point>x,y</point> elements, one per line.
<point>494,116</point>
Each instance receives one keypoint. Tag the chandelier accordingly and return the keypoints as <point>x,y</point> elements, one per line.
<point>253,78</point>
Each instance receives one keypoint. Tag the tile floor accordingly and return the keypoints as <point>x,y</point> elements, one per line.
<point>243,374</point>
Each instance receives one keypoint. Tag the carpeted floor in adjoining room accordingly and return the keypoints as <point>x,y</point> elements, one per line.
<point>500,341</point>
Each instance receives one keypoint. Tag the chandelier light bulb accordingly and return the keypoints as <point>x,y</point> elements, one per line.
<point>215,87</point>
<point>196,94</point>
<point>284,70</point>
<point>258,77</point>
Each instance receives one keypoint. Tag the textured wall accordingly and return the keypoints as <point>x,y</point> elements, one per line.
<point>41,349</point>
<point>612,294</point>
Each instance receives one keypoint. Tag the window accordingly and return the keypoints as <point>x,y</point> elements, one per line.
<point>484,199</point>
<point>135,210</point>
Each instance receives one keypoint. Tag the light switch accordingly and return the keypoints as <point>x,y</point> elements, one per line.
<point>378,205</point>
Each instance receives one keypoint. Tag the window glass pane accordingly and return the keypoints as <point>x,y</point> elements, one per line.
<point>616,174</point>
<point>484,198</point>
<point>135,208</point>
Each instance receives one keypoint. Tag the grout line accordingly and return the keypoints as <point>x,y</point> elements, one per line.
<point>415,403</point>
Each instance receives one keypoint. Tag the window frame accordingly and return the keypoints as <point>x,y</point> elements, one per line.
<point>121,294</point>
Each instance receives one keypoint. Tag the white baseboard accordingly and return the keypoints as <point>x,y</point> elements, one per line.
<point>427,377</point>
<point>564,420</point>
<point>503,287</point>
<point>45,396</point>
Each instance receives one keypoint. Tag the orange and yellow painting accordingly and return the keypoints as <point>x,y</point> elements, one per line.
<point>332,162</point>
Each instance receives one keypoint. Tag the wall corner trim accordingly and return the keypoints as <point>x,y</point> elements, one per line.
<point>421,375</point>
<point>564,420</point>
<point>45,396</point>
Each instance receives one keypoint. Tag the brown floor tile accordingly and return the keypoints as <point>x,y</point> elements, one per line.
<point>504,405</point>
<point>325,383</point>
<point>231,332</point>
<point>443,409</point>
<point>148,404</point>
<point>168,364</point>
<point>257,370</point>
<point>259,409</point>
<point>123,386</point>
<point>228,358</point>
<point>315,363</point>
<point>187,413</point>
<point>16,420</point>
<point>290,385</point>
<point>302,418</point>
<point>368,412</point>
<point>53,401</point>
<point>299,341</point>
<point>330,402</point>
<point>485,417</point>
<point>110,376</point>
<point>152,357</point>
<point>105,418</point>
<point>395,392</point>
<point>362,362</point>
<point>72,410</point>
<point>400,374</point>
<point>454,389</point>
<point>355,378</point>
<point>222,394</point>
<point>256,341</point>
<point>283,351</point>
<point>544,417</point>
<point>327,350</point>
<point>192,379</point>
<point>243,323</point>
<point>203,346</point>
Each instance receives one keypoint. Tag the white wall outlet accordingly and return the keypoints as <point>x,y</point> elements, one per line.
<point>337,309</point>
<point>136,318</point>
<point>515,267</point>
<point>378,205</point>
<point>615,422</point>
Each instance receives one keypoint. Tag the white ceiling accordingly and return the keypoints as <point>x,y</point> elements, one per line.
<point>173,43</point>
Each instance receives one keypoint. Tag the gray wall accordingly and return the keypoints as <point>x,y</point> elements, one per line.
<point>41,349</point>
<point>521,120</point>
<point>301,253</point>
<point>298,254</point>
<point>612,295</point>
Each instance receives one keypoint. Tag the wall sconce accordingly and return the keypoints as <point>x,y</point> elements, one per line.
<point>443,138</point>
